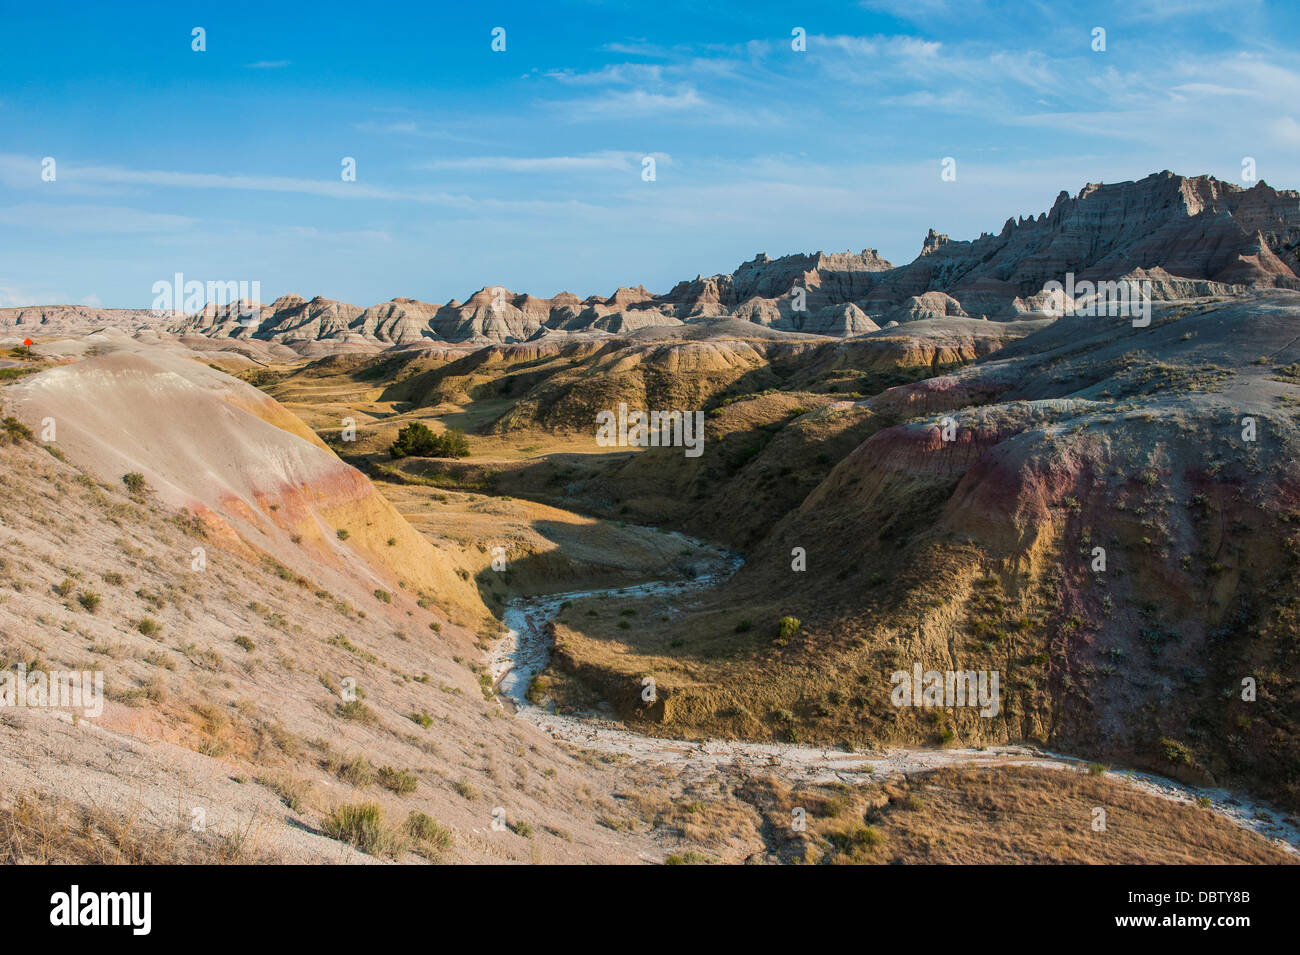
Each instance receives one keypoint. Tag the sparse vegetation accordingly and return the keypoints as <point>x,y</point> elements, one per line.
<point>14,430</point>
<point>465,790</point>
<point>361,825</point>
<point>356,710</point>
<point>355,771</point>
<point>400,781</point>
<point>786,629</point>
<point>431,839</point>
<point>690,857</point>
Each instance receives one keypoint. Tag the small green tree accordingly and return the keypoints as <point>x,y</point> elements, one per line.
<point>454,444</point>
<point>416,440</point>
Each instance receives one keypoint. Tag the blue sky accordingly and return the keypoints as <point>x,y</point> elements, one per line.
<point>523,167</point>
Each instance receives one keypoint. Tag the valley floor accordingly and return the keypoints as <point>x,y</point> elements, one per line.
<point>1163,821</point>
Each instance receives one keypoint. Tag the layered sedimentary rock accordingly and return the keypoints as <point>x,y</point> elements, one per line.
<point>36,321</point>
<point>1186,237</point>
<point>256,475</point>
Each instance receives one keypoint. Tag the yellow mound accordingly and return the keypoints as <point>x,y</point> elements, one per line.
<point>256,474</point>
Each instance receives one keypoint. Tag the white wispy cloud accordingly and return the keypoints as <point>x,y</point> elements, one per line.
<point>1211,89</point>
<point>590,162</point>
<point>634,103</point>
<point>43,216</point>
<point>612,74</point>
<point>143,179</point>
<point>671,91</point>
<point>419,129</point>
<point>907,48</point>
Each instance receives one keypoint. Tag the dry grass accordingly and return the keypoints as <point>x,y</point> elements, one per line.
<point>242,717</point>
<point>36,828</point>
<point>967,816</point>
<point>364,825</point>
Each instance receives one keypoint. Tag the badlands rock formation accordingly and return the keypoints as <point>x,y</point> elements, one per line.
<point>257,477</point>
<point>1187,236</point>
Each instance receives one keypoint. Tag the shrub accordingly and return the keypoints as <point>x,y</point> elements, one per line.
<point>148,626</point>
<point>356,710</point>
<point>355,771</point>
<point>416,440</point>
<point>861,837</point>
<point>135,483</point>
<point>15,430</point>
<point>424,719</point>
<point>539,688</point>
<point>245,642</point>
<point>787,627</point>
<point>466,790</point>
<point>687,858</point>
<point>65,587</point>
<point>384,595</point>
<point>342,533</point>
<point>1175,751</point>
<point>423,829</point>
<point>522,828</point>
<point>397,780</point>
<point>89,600</point>
<point>361,824</point>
